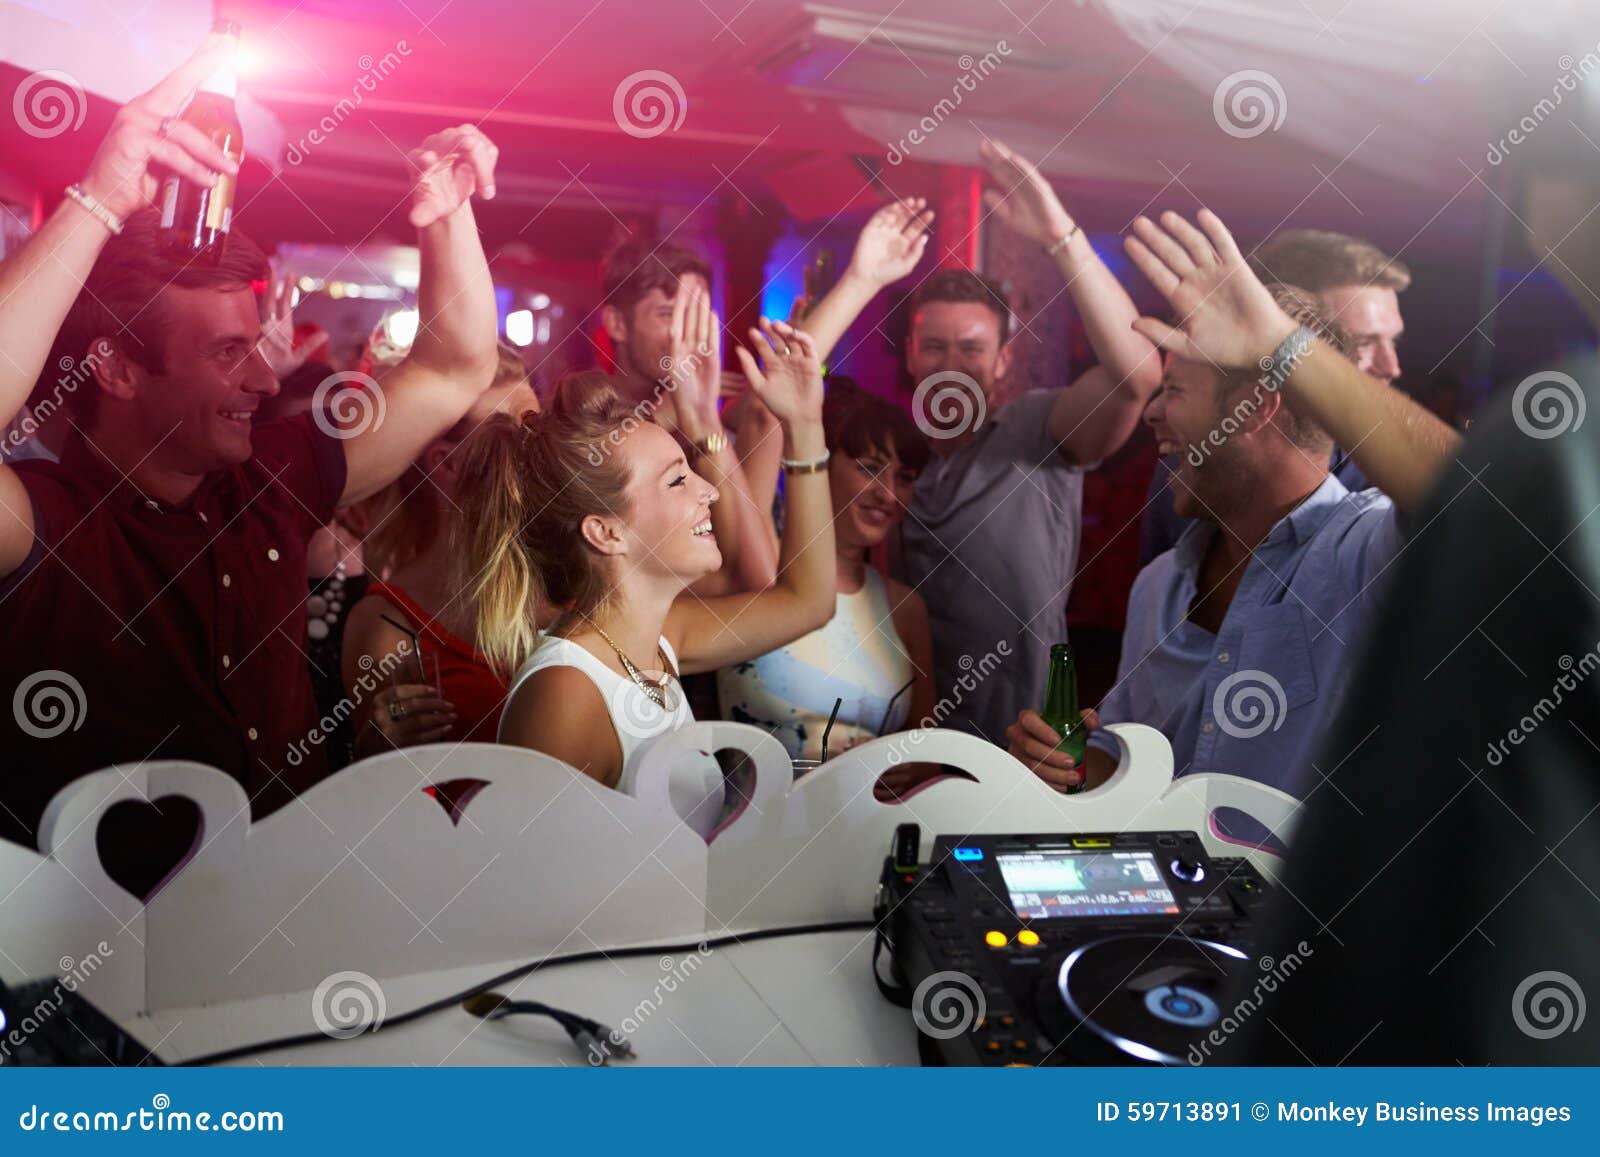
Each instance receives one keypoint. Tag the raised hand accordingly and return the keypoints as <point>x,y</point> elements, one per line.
<point>1024,201</point>
<point>788,378</point>
<point>892,242</point>
<point>451,166</point>
<point>147,140</point>
<point>277,330</point>
<point>1226,316</point>
<point>694,372</point>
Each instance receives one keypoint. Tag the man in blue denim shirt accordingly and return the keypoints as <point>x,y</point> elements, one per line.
<point>1237,639</point>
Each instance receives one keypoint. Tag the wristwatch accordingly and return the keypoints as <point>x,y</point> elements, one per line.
<point>713,443</point>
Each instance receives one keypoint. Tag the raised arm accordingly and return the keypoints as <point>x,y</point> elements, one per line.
<point>711,633</point>
<point>891,243</point>
<point>1094,416</point>
<point>1230,320</point>
<point>453,359</point>
<point>743,528</point>
<point>39,283</point>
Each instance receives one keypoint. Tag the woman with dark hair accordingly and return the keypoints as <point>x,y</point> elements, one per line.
<point>875,656</point>
<point>592,510</point>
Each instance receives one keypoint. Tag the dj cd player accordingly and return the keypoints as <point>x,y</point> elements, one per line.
<point>1087,948</point>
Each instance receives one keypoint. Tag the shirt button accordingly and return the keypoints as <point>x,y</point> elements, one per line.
<point>202,515</point>
<point>226,662</point>
<point>227,580</point>
<point>152,504</point>
<point>1208,727</point>
<point>251,733</point>
<point>272,553</point>
<point>1223,657</point>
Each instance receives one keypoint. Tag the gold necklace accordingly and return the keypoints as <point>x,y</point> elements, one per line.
<point>654,690</point>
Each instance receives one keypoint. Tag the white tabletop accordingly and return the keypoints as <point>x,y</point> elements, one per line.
<point>785,1000</point>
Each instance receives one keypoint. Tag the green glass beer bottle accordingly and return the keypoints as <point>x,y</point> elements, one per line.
<point>1061,707</point>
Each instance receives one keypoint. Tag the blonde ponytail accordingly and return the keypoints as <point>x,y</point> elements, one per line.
<point>525,486</point>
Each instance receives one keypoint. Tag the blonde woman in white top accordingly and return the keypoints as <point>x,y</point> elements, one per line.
<point>595,511</point>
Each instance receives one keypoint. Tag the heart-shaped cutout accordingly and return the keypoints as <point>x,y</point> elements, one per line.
<point>144,845</point>
<point>454,795</point>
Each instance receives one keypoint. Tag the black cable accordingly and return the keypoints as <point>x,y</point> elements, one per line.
<point>528,970</point>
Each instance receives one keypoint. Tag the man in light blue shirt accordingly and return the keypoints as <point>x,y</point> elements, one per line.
<point>1238,639</point>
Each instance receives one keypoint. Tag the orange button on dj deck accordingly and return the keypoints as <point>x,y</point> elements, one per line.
<point>995,939</point>
<point>1028,938</point>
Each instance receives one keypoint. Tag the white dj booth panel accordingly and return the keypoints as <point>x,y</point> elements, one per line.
<point>368,873</point>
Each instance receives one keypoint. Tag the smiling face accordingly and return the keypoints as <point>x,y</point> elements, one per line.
<point>665,533</point>
<point>196,411</point>
<point>870,494</point>
<point>959,336</point>
<point>1183,415</point>
<point>1370,315</point>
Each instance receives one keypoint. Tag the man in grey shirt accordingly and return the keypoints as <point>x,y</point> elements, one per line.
<point>991,538</point>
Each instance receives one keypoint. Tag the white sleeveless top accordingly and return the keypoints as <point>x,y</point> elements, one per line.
<point>695,787</point>
<point>857,656</point>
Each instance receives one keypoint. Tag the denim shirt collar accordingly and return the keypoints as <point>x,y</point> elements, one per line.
<point>1294,529</point>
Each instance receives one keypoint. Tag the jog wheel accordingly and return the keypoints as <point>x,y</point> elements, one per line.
<point>1137,999</point>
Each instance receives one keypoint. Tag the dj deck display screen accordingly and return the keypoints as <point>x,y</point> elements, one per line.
<point>1047,885</point>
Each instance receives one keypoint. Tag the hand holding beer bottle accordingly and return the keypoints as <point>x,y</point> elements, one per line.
<point>1053,743</point>
<point>148,142</point>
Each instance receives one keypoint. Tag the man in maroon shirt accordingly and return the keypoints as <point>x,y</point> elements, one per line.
<point>152,584</point>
